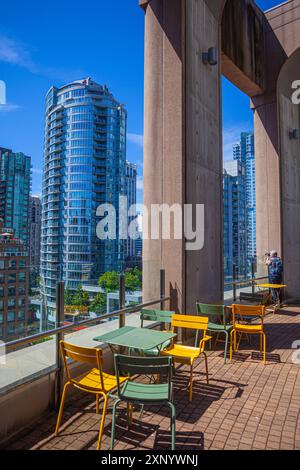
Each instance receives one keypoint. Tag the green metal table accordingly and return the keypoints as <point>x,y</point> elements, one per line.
<point>141,339</point>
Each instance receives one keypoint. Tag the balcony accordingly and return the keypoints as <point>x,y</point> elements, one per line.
<point>247,405</point>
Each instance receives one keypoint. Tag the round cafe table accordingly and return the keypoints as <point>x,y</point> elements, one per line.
<point>277,289</point>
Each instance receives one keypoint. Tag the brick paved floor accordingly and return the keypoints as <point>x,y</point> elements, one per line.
<point>246,406</point>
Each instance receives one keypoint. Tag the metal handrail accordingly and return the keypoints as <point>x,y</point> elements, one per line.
<point>65,328</point>
<point>244,282</point>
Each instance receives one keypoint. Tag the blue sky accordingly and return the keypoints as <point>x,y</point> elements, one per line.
<point>54,42</point>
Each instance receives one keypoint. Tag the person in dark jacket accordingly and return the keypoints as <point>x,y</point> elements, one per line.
<point>275,270</point>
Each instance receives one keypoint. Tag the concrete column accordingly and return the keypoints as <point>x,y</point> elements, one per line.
<point>267,178</point>
<point>163,140</point>
<point>182,149</point>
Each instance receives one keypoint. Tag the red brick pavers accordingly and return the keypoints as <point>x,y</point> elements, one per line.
<point>246,405</point>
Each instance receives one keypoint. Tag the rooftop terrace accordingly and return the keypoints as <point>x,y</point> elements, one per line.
<point>246,406</point>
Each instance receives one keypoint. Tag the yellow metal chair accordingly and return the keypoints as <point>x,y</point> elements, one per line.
<point>94,381</point>
<point>188,354</point>
<point>244,313</point>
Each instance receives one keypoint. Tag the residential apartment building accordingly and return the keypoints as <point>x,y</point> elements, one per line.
<point>130,184</point>
<point>14,285</point>
<point>15,181</point>
<point>235,228</point>
<point>244,151</point>
<point>35,221</point>
<point>84,167</point>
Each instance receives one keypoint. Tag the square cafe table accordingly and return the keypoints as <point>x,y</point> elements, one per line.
<point>142,339</point>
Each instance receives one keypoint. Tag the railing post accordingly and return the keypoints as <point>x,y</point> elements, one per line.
<point>122,300</point>
<point>162,288</point>
<point>253,275</point>
<point>60,316</point>
<point>234,281</point>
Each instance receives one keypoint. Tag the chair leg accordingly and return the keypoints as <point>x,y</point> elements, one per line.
<point>97,404</point>
<point>102,422</point>
<point>206,367</point>
<point>231,343</point>
<point>141,413</point>
<point>61,407</point>
<point>113,425</point>
<point>265,347</point>
<point>226,347</point>
<point>173,424</point>
<point>191,383</point>
<point>237,343</point>
<point>261,343</point>
<point>129,415</point>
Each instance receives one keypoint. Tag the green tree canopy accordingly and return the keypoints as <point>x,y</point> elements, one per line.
<point>68,296</point>
<point>98,304</point>
<point>109,281</point>
<point>81,297</point>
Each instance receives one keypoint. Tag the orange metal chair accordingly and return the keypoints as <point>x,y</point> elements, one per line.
<point>94,381</point>
<point>188,354</point>
<point>242,313</point>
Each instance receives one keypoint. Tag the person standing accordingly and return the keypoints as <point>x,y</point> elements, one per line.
<point>275,271</point>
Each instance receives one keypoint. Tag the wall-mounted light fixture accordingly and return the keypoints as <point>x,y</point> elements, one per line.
<point>294,134</point>
<point>210,57</point>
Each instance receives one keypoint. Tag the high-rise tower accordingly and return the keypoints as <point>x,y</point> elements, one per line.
<point>84,166</point>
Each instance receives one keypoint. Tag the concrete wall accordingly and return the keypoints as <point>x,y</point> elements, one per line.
<point>23,405</point>
<point>289,119</point>
<point>243,46</point>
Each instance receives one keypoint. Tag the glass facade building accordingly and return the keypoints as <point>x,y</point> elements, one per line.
<point>244,151</point>
<point>240,208</point>
<point>235,229</point>
<point>15,183</point>
<point>84,167</point>
<point>131,174</point>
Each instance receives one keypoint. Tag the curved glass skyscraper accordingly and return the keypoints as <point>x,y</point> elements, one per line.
<point>84,166</point>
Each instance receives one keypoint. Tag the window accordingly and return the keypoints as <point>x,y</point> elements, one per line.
<point>21,315</point>
<point>12,278</point>
<point>22,277</point>
<point>10,329</point>
<point>12,264</point>
<point>11,291</point>
<point>1,264</point>
<point>1,317</point>
<point>10,316</point>
<point>11,303</point>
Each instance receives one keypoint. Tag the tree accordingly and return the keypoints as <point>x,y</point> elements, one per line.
<point>81,298</point>
<point>98,305</point>
<point>109,281</point>
<point>133,280</point>
<point>68,296</point>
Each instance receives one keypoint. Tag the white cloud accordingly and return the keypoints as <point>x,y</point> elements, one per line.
<point>16,53</point>
<point>7,108</point>
<point>37,171</point>
<point>136,139</point>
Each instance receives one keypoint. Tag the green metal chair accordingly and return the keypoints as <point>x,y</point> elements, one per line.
<point>215,312</point>
<point>158,316</point>
<point>144,394</point>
